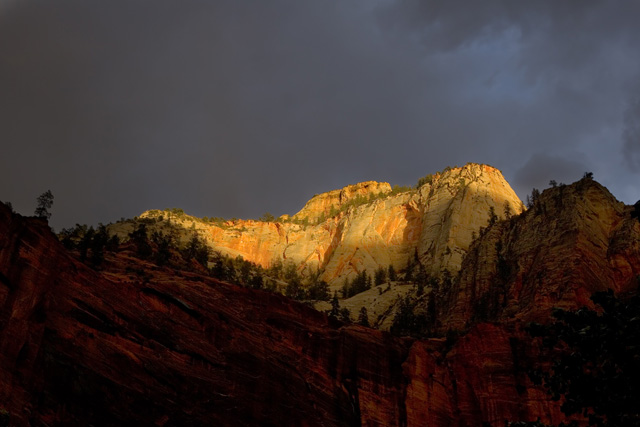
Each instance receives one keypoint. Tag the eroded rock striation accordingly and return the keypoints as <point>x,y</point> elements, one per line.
<point>435,222</point>
<point>576,240</point>
<point>137,344</point>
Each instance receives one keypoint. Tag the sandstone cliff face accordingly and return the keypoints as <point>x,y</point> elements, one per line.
<point>320,206</point>
<point>455,206</point>
<point>160,347</point>
<point>460,389</point>
<point>436,222</point>
<point>577,240</point>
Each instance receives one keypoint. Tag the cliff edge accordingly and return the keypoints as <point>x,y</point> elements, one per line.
<point>361,227</point>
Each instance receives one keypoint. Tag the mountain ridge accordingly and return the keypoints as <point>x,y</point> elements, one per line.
<point>578,238</point>
<point>340,238</point>
<point>135,342</point>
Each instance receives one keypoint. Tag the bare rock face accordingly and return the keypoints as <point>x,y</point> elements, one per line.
<point>321,205</point>
<point>480,381</point>
<point>575,241</point>
<point>137,344</point>
<point>455,206</point>
<point>435,222</point>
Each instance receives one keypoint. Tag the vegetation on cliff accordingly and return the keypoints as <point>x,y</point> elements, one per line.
<point>207,337</point>
<point>170,246</point>
<point>45,202</point>
<point>596,353</point>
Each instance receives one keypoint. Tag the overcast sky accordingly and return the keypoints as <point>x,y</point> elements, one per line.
<point>236,108</point>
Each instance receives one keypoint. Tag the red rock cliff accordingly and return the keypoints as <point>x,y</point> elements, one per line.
<point>576,240</point>
<point>159,347</point>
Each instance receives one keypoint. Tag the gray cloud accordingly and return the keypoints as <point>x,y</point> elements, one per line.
<point>541,168</point>
<point>631,135</point>
<point>232,109</point>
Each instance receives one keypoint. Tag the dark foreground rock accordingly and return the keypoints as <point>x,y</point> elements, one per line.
<point>137,344</point>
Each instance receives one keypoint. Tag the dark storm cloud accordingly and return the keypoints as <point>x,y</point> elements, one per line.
<point>631,135</point>
<point>541,169</point>
<point>234,108</point>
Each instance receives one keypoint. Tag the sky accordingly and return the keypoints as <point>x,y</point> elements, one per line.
<point>234,108</point>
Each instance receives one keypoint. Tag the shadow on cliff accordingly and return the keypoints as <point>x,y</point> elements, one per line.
<point>576,240</point>
<point>78,347</point>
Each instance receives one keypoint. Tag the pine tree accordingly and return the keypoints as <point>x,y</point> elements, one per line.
<point>595,352</point>
<point>141,240</point>
<point>345,315</point>
<point>319,290</point>
<point>507,210</point>
<point>346,288</point>
<point>392,273</point>
<point>408,275</point>
<point>335,306</point>
<point>45,201</point>
<point>380,276</point>
<point>363,318</point>
<point>493,218</point>
<point>256,281</point>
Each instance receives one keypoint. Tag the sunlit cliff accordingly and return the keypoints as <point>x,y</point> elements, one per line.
<point>340,238</point>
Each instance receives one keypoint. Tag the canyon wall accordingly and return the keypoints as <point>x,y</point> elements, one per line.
<point>135,343</point>
<point>138,344</point>
<point>436,222</point>
<point>576,240</point>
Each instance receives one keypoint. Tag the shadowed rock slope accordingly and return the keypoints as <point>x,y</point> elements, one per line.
<point>576,240</point>
<point>137,344</point>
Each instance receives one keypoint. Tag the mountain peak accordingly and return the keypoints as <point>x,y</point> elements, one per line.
<point>171,327</point>
<point>574,240</point>
<point>359,228</point>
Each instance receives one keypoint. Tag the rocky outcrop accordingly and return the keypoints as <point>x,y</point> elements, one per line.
<point>321,205</point>
<point>576,240</point>
<point>137,344</point>
<point>340,238</point>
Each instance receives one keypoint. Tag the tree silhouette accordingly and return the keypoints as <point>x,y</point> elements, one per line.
<point>140,239</point>
<point>45,201</point>
<point>363,318</point>
<point>392,273</point>
<point>493,218</point>
<point>531,200</point>
<point>319,290</point>
<point>345,315</point>
<point>597,372</point>
<point>636,210</point>
<point>380,276</point>
<point>335,305</point>
<point>507,210</point>
<point>267,217</point>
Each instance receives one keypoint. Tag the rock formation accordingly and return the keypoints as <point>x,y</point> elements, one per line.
<point>137,344</point>
<point>340,238</point>
<point>321,206</point>
<point>576,240</point>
